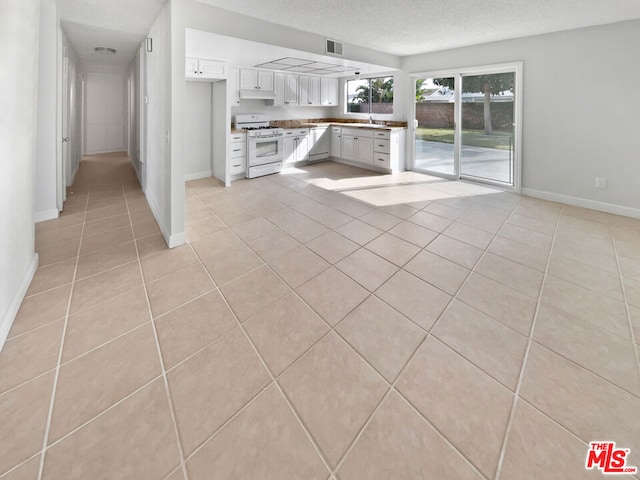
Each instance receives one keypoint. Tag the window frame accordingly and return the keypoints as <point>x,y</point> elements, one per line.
<point>369,78</point>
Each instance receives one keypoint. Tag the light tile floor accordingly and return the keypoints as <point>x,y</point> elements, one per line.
<point>324,323</point>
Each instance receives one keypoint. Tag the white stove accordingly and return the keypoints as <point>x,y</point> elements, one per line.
<point>257,126</point>
<point>264,145</point>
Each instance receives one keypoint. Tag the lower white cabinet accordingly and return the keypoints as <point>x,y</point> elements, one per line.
<point>336,147</point>
<point>238,154</point>
<point>295,145</point>
<point>382,149</point>
<point>357,145</point>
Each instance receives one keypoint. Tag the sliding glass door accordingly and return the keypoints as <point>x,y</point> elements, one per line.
<point>487,121</point>
<point>435,130</point>
<point>465,125</point>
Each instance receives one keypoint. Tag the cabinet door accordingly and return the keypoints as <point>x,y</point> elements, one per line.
<point>279,88</point>
<point>303,90</point>
<point>248,79</point>
<point>335,145</point>
<point>320,141</point>
<point>265,81</point>
<point>191,67</point>
<point>302,148</point>
<point>364,151</point>
<point>314,91</point>
<point>289,150</point>
<point>211,68</point>
<point>233,84</point>
<point>348,144</point>
<point>291,90</point>
<point>329,91</point>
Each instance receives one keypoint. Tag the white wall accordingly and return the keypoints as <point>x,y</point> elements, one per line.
<point>105,113</point>
<point>158,167</point>
<point>18,125</point>
<point>46,190</point>
<point>581,110</point>
<point>197,131</point>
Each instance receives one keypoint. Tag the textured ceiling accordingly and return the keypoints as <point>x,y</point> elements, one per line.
<point>406,27</point>
<point>400,27</point>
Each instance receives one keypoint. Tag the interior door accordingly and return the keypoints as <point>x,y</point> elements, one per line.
<point>435,122</point>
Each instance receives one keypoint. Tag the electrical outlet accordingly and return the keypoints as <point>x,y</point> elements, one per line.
<point>601,182</point>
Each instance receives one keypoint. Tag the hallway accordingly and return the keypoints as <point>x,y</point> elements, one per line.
<point>328,322</point>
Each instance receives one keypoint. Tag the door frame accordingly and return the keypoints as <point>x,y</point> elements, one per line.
<point>458,73</point>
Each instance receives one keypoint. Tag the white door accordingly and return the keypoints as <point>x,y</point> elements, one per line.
<point>66,150</point>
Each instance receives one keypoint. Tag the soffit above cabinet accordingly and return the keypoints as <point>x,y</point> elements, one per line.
<point>249,54</point>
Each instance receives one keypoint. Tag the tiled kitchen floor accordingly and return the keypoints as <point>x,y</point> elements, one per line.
<point>327,322</point>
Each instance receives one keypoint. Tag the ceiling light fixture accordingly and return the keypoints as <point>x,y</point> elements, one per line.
<point>105,50</point>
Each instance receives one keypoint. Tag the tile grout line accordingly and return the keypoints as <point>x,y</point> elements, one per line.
<point>61,349</point>
<point>332,329</point>
<point>264,363</point>
<point>158,348</point>
<point>392,384</point>
<point>626,306</point>
<point>526,355</point>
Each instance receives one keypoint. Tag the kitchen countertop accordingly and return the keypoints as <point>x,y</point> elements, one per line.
<point>352,125</point>
<point>288,124</point>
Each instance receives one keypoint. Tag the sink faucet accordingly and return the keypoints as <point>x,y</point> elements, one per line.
<point>370,119</point>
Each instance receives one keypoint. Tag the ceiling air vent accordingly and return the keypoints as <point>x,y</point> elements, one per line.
<point>334,47</point>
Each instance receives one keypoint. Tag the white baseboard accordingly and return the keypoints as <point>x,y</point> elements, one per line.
<point>171,240</point>
<point>583,202</point>
<point>14,306</point>
<point>177,240</point>
<point>47,215</point>
<point>197,175</point>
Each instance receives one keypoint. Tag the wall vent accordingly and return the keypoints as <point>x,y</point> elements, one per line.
<point>333,47</point>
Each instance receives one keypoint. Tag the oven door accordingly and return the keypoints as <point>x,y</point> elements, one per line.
<point>264,150</point>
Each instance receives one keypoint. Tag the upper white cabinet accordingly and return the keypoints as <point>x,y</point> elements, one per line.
<point>233,87</point>
<point>286,89</point>
<point>309,90</point>
<point>329,91</point>
<point>204,69</point>
<point>256,80</point>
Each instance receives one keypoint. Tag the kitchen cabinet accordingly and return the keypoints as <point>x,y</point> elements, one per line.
<point>336,149</point>
<point>295,145</point>
<point>238,153</point>
<point>320,143</point>
<point>286,89</point>
<point>388,149</point>
<point>309,90</point>
<point>204,69</point>
<point>329,91</point>
<point>357,145</point>
<point>233,85</point>
<point>256,80</point>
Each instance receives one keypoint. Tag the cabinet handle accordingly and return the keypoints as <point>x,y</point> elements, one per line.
<point>237,150</point>
<point>380,145</point>
<point>381,159</point>
<point>200,73</point>
<point>237,165</point>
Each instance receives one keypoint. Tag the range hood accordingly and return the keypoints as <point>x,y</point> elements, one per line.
<point>258,94</point>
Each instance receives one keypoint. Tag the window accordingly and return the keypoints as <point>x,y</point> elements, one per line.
<point>370,95</point>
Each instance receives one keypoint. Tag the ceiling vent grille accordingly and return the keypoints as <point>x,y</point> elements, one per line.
<point>333,47</point>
